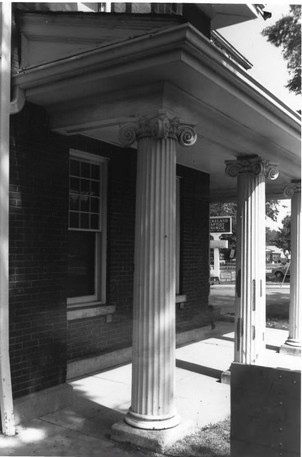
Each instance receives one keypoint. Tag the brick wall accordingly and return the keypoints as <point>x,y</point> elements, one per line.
<point>38,253</point>
<point>194,248</point>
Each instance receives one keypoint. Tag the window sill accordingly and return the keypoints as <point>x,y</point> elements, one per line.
<point>181,300</point>
<point>82,312</point>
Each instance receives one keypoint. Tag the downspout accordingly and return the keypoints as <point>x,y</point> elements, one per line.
<point>6,397</point>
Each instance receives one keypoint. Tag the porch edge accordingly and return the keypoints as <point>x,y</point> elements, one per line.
<point>90,365</point>
<point>43,402</point>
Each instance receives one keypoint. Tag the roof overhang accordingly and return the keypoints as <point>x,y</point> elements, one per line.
<point>178,70</point>
<point>226,14</point>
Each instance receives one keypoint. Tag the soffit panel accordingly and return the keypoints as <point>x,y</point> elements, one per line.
<point>49,37</point>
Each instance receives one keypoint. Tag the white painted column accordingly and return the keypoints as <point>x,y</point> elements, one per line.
<point>153,364</point>
<point>293,343</point>
<point>6,400</point>
<point>217,258</point>
<point>250,299</point>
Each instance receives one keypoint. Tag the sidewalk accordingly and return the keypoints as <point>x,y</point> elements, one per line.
<point>100,400</point>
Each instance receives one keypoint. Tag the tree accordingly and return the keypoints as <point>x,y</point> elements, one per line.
<point>230,209</point>
<point>283,236</point>
<point>286,33</point>
<point>270,236</point>
<point>272,209</point>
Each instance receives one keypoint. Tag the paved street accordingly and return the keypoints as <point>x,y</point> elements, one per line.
<point>222,295</point>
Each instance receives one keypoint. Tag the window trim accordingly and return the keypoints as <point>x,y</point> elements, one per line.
<point>101,235</point>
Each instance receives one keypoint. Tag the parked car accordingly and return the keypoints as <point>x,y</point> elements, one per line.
<point>214,280</point>
<point>281,271</point>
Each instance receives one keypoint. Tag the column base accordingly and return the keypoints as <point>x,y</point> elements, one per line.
<point>226,377</point>
<point>291,347</point>
<point>146,422</point>
<point>153,440</point>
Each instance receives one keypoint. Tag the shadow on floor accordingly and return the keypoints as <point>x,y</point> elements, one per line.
<point>200,369</point>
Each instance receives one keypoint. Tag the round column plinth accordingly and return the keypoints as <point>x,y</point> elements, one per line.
<point>293,342</point>
<point>147,422</point>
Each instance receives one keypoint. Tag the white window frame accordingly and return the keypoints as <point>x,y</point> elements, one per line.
<point>101,236</point>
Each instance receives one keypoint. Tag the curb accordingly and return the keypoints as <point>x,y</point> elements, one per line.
<point>268,286</point>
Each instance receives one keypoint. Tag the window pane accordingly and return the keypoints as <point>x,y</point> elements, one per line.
<point>95,172</point>
<point>74,202</point>
<point>94,221</point>
<point>85,186</point>
<point>74,185</point>
<point>84,224</point>
<point>84,203</point>
<point>74,167</point>
<point>85,170</point>
<point>84,194</point>
<point>73,220</point>
<point>81,264</point>
<point>95,188</point>
<point>95,205</point>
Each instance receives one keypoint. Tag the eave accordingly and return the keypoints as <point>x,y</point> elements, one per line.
<point>234,114</point>
<point>226,14</point>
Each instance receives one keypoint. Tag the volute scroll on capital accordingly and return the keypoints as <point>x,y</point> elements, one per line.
<point>158,127</point>
<point>291,189</point>
<point>252,165</point>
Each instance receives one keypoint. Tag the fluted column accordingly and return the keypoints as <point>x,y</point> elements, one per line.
<point>153,364</point>
<point>250,298</point>
<point>293,343</point>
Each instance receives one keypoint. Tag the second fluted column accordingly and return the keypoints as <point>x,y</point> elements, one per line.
<point>250,298</point>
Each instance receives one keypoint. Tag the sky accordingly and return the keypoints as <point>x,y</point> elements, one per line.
<point>269,67</point>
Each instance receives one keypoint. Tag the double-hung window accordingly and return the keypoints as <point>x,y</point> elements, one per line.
<point>87,229</point>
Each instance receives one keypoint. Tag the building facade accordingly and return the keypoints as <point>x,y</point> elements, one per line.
<point>124,124</point>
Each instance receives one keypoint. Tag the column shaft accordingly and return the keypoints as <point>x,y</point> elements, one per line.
<point>250,268</point>
<point>153,362</point>
<point>294,338</point>
<point>6,397</point>
<point>154,287</point>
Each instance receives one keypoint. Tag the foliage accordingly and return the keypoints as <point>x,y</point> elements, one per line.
<point>286,33</point>
<point>223,209</point>
<point>282,239</point>
<point>270,236</point>
<point>230,209</point>
<point>271,209</point>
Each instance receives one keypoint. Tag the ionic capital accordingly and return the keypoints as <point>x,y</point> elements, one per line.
<point>158,126</point>
<point>291,189</point>
<point>252,165</point>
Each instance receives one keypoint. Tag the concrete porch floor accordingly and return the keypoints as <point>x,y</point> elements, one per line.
<point>100,400</point>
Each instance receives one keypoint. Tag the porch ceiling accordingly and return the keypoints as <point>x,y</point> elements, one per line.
<point>180,71</point>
